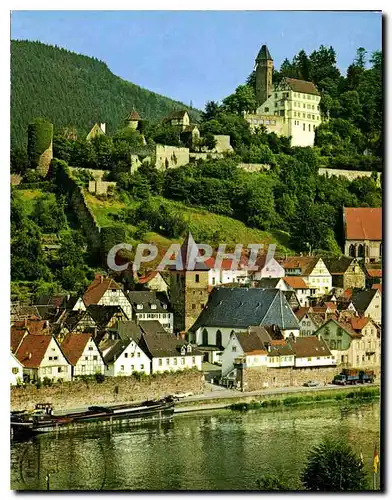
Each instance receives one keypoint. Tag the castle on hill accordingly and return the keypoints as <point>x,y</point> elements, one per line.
<point>290,108</point>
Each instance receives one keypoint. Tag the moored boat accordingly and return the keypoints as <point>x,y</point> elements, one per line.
<point>42,420</point>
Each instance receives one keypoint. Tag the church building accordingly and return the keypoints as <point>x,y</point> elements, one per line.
<point>290,108</point>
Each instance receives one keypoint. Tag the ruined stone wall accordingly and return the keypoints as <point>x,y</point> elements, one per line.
<point>113,390</point>
<point>205,156</point>
<point>262,377</point>
<point>254,167</point>
<point>348,174</point>
<point>170,157</point>
<point>100,187</point>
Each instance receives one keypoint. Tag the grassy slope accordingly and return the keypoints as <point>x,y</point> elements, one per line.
<point>231,230</point>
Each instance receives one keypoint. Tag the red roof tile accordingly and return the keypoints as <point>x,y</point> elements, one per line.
<point>300,313</point>
<point>74,345</point>
<point>374,273</point>
<point>359,323</point>
<point>227,263</point>
<point>363,223</point>
<point>32,350</point>
<point>377,286</point>
<point>347,294</point>
<point>305,264</point>
<point>35,326</point>
<point>17,335</point>
<point>98,287</point>
<point>295,282</point>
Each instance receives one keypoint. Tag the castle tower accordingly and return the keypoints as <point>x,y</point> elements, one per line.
<point>188,289</point>
<point>264,69</point>
<point>132,120</point>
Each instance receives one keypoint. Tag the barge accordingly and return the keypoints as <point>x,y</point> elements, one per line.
<point>42,420</point>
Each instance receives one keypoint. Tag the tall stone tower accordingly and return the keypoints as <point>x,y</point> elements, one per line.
<point>189,289</point>
<point>264,69</point>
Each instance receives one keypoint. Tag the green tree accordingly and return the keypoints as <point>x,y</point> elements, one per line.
<point>333,466</point>
<point>243,100</point>
<point>271,482</point>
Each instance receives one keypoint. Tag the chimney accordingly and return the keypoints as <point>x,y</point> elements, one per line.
<point>101,278</point>
<point>25,322</point>
<point>103,127</point>
<point>29,355</point>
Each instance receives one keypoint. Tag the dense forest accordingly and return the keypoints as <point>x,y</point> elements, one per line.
<point>72,90</point>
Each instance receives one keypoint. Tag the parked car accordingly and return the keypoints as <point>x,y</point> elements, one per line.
<point>311,383</point>
<point>181,395</point>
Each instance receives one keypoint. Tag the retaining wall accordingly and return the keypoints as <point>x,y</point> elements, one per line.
<point>113,390</point>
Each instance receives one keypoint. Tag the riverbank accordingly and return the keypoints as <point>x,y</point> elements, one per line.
<point>248,401</point>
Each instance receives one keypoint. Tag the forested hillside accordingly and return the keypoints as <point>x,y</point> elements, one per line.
<point>69,90</point>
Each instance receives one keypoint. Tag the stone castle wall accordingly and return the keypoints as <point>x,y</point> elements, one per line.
<point>348,174</point>
<point>113,390</point>
<point>100,187</point>
<point>254,167</point>
<point>170,157</point>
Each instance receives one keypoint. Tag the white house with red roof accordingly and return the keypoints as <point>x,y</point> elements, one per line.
<point>225,274</point>
<point>302,290</point>
<point>363,233</point>
<point>104,291</point>
<point>268,267</point>
<point>41,356</point>
<point>83,354</point>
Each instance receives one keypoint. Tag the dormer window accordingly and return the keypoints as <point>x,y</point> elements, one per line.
<point>164,306</point>
<point>153,306</point>
<point>183,351</point>
<point>139,306</point>
<point>189,348</point>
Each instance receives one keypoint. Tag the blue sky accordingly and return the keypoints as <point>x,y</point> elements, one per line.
<point>200,55</point>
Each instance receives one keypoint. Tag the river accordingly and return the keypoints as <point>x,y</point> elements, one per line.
<point>216,450</point>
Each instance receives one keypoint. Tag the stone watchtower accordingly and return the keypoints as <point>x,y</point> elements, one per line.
<point>188,289</point>
<point>264,69</point>
<point>132,120</point>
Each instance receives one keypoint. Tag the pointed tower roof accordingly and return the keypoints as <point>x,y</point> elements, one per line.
<point>189,250</point>
<point>133,116</point>
<point>264,54</point>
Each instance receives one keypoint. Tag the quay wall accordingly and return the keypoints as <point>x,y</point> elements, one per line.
<point>113,390</point>
<point>254,379</point>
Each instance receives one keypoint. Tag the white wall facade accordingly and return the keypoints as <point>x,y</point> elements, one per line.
<point>176,363</point>
<point>315,361</point>
<point>320,279</point>
<point>132,359</point>
<point>90,362</point>
<point>116,298</point>
<point>54,364</point>
<point>271,269</point>
<point>165,319</point>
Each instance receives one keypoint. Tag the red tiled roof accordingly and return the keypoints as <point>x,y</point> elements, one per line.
<point>226,263</point>
<point>17,335</point>
<point>302,86</point>
<point>377,286</point>
<point>35,326</point>
<point>374,273</point>
<point>306,264</point>
<point>32,350</point>
<point>295,282</point>
<point>359,323</point>
<point>98,287</point>
<point>300,313</point>
<point>347,294</point>
<point>74,345</point>
<point>363,223</point>
<point>148,277</point>
<point>134,116</point>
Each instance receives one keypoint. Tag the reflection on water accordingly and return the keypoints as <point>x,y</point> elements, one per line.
<point>220,450</point>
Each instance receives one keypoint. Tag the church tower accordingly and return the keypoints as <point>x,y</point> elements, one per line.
<point>264,69</point>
